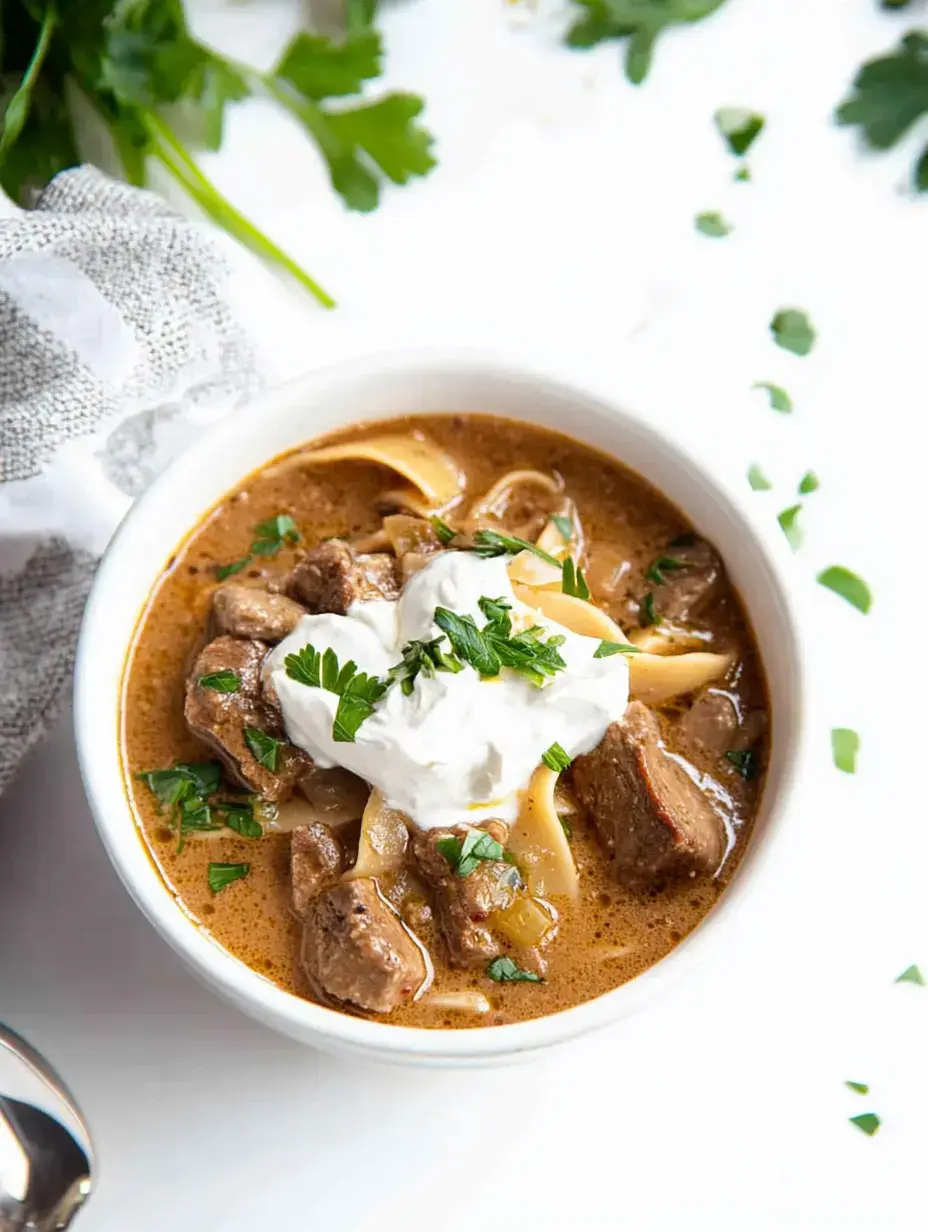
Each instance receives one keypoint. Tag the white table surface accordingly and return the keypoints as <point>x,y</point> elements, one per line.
<point>559,227</point>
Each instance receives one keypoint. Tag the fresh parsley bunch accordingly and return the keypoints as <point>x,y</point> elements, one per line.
<point>137,65</point>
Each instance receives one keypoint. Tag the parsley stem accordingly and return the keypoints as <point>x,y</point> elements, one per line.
<point>169,150</point>
<point>17,109</point>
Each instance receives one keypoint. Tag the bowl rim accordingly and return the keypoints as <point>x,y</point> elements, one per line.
<point>254,993</point>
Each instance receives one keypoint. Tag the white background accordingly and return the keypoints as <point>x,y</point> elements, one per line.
<point>559,227</point>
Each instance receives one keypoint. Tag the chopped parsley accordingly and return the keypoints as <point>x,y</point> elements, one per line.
<point>263,747</point>
<point>911,975</point>
<point>845,745</point>
<point>793,331</point>
<point>221,875</point>
<point>556,759</point>
<point>605,649</point>
<point>187,790</point>
<point>890,94</point>
<point>647,612</point>
<point>572,580</point>
<point>743,174</point>
<point>808,483</point>
<point>222,682</point>
<point>745,761</point>
<point>505,970</point>
<point>488,543</point>
<point>564,525</point>
<point>867,1122</point>
<point>241,819</point>
<point>665,564</point>
<point>758,480</point>
<point>860,1087</point>
<point>713,224</point>
<point>425,657</point>
<point>790,527</point>
<point>740,128</point>
<point>357,691</point>
<point>465,854</point>
<point>494,647</point>
<point>848,585</point>
<point>779,398</point>
<point>639,21</point>
<point>269,537</point>
<point>444,532</point>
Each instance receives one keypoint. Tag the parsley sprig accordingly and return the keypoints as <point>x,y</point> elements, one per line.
<point>494,647</point>
<point>269,537</point>
<point>356,691</point>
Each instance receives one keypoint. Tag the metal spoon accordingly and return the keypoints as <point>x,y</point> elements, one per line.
<point>45,1175</point>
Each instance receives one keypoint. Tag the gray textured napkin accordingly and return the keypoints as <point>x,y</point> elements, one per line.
<point>116,345</point>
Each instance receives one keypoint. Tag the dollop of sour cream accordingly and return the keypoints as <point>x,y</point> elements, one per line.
<point>459,748</point>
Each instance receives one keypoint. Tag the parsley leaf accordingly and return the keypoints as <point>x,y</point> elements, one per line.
<point>745,761</point>
<point>868,1122</point>
<point>848,585</point>
<point>889,95</point>
<point>221,875</point>
<point>564,525</point>
<point>792,331</point>
<point>860,1087</point>
<point>790,527</point>
<point>647,613</point>
<point>845,745</point>
<point>505,970</point>
<point>424,657</point>
<point>468,642</point>
<point>319,68</point>
<point>639,21</point>
<point>489,649</point>
<point>223,682</point>
<point>605,649</point>
<point>808,483</point>
<point>224,571</point>
<point>357,691</point>
<point>757,479</point>
<point>270,536</point>
<point>713,224</point>
<point>488,543</point>
<point>555,758</point>
<point>665,564</point>
<point>739,127</point>
<point>444,532</point>
<point>497,614</point>
<point>572,580</point>
<point>263,747</point>
<point>779,398</point>
<point>911,975</point>
<point>240,817</point>
<point>465,854</point>
<point>184,791</point>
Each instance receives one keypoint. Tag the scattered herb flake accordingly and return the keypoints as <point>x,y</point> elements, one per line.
<point>740,128</point>
<point>743,175</point>
<point>845,745</point>
<point>444,532</point>
<point>647,613</point>
<point>505,970</point>
<point>665,564</point>
<point>426,658</point>
<point>555,758</point>
<point>222,682</point>
<point>712,223</point>
<point>221,875</point>
<point>792,331</point>
<point>808,483</point>
<point>564,525</point>
<point>270,536</point>
<point>465,854</point>
<point>263,746</point>
<point>790,526</point>
<point>779,398</point>
<point>224,571</point>
<point>605,649</point>
<point>572,580</point>
<point>745,761</point>
<point>848,585</point>
<point>860,1087</point>
<point>867,1122</point>
<point>911,975</point>
<point>490,543</point>
<point>757,479</point>
<point>241,819</point>
<point>565,826</point>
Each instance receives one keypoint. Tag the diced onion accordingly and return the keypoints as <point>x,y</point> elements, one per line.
<point>526,921</point>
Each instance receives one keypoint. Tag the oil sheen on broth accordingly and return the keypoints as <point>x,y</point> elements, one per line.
<point>611,933</point>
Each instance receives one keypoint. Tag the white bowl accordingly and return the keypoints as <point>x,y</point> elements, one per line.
<point>370,389</point>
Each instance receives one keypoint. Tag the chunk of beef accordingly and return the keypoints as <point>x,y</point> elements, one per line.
<point>316,860</point>
<point>685,592</point>
<point>249,611</point>
<point>220,718</point>
<point>357,950</point>
<point>711,723</point>
<point>462,905</point>
<point>650,814</point>
<point>331,577</point>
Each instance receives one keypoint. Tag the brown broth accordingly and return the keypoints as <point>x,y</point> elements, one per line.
<point>627,524</point>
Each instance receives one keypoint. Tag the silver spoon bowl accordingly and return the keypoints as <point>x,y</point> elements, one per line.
<point>45,1173</point>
